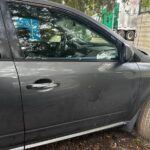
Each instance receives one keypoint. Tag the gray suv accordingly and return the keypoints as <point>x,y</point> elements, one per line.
<point>64,75</point>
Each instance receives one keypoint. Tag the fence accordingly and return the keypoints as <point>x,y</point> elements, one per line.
<point>142,40</point>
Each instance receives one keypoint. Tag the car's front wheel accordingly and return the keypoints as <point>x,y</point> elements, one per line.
<point>143,124</point>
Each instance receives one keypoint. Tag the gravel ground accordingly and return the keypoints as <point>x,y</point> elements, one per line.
<point>106,140</point>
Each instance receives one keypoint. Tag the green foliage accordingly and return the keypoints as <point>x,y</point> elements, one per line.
<point>145,4</point>
<point>90,7</point>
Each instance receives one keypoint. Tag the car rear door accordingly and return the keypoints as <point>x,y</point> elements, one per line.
<point>11,114</point>
<point>70,74</point>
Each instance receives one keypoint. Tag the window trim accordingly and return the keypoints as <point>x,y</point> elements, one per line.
<point>6,54</point>
<point>63,60</point>
<point>80,19</point>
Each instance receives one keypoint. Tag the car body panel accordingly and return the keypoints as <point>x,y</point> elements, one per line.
<point>144,93</point>
<point>89,94</point>
<point>74,135</point>
<point>84,93</point>
<point>80,100</point>
<point>11,115</point>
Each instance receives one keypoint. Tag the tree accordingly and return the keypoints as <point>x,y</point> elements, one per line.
<point>90,7</point>
<point>145,4</point>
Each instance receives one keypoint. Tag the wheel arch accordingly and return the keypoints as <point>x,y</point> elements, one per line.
<point>136,112</point>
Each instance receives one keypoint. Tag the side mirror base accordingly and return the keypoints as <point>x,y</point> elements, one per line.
<point>128,53</point>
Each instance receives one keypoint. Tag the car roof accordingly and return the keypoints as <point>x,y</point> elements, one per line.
<point>75,11</point>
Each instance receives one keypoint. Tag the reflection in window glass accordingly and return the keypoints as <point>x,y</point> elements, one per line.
<point>45,34</point>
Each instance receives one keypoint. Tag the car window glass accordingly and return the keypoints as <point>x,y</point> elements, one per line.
<point>45,34</point>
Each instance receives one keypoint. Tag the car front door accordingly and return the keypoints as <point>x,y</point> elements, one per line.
<point>71,76</point>
<point>11,113</point>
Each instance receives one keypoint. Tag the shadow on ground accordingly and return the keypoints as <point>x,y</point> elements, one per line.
<point>106,140</point>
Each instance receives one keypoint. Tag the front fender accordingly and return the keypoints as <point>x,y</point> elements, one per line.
<point>144,91</point>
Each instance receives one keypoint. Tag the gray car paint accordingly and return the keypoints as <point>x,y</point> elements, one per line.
<point>89,95</point>
<point>87,90</point>
<point>11,115</point>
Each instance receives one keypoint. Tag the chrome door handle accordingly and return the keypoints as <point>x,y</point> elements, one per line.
<point>42,86</point>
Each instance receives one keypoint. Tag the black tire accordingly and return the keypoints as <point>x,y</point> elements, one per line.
<point>122,33</point>
<point>143,124</point>
<point>130,35</point>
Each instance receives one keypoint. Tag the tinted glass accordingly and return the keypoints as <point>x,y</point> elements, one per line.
<point>44,34</point>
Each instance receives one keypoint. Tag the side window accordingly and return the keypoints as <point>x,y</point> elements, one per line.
<point>44,34</point>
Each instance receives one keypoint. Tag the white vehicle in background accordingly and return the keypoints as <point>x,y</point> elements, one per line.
<point>122,18</point>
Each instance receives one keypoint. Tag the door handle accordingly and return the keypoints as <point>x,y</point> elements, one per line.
<point>42,86</point>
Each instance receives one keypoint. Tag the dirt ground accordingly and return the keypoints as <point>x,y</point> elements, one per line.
<point>106,140</point>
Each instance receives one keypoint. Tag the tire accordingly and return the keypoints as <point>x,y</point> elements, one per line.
<point>130,35</point>
<point>143,124</point>
<point>122,33</point>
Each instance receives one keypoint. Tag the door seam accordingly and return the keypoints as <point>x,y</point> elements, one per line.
<point>12,59</point>
<point>19,82</point>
